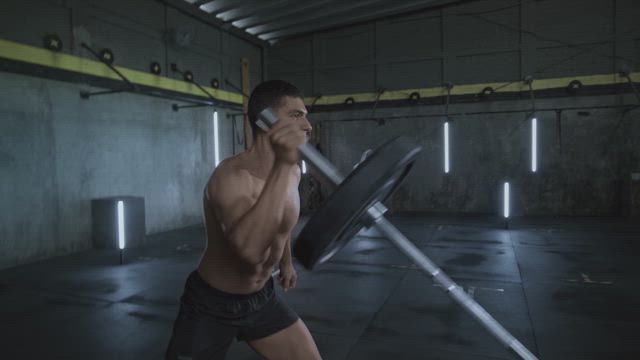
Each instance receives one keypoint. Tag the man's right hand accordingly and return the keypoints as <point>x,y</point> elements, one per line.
<point>285,139</point>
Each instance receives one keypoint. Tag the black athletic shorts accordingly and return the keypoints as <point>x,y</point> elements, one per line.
<point>209,319</point>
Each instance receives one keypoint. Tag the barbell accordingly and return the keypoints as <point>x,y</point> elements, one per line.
<point>356,202</point>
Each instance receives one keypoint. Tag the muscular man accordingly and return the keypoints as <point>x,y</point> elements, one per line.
<point>250,204</point>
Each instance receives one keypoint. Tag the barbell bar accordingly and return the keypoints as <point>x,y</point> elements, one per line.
<point>388,165</point>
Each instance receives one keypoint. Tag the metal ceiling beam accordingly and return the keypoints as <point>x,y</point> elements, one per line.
<point>218,6</point>
<point>251,9</point>
<point>197,3</point>
<point>277,14</point>
<point>188,9</point>
<point>310,16</point>
<point>348,20</point>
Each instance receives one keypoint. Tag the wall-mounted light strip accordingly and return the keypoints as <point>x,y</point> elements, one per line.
<point>446,147</point>
<point>505,205</point>
<point>534,144</point>
<point>304,167</point>
<point>121,239</point>
<point>216,138</point>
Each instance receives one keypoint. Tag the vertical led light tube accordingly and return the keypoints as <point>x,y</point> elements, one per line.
<point>304,167</point>
<point>216,138</point>
<point>121,239</point>
<point>446,147</point>
<point>505,205</point>
<point>534,144</point>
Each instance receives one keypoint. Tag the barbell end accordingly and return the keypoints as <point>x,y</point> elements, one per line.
<point>375,212</point>
<point>266,119</point>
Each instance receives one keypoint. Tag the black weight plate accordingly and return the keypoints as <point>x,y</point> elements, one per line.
<point>342,214</point>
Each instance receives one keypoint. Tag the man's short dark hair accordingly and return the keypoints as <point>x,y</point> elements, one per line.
<point>268,94</point>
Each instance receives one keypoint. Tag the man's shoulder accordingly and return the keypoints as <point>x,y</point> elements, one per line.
<point>230,169</point>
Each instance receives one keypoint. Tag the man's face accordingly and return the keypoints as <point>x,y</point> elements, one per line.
<point>292,110</point>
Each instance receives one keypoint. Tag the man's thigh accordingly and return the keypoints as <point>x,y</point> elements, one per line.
<point>198,339</point>
<point>293,342</point>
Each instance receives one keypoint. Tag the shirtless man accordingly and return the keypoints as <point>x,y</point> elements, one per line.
<point>251,204</point>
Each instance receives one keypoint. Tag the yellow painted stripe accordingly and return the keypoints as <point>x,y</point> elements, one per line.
<point>472,89</point>
<point>33,55</point>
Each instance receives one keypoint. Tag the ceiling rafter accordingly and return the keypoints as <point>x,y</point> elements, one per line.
<point>243,12</point>
<point>217,6</point>
<point>348,19</point>
<point>311,16</point>
<point>272,17</point>
<point>274,20</point>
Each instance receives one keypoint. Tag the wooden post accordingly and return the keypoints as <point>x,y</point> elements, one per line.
<point>248,136</point>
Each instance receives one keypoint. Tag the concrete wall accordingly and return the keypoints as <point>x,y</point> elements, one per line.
<point>479,42</point>
<point>58,151</point>
<point>585,160</point>
<point>137,31</point>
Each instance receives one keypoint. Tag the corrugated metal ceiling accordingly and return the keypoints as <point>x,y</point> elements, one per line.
<point>274,20</point>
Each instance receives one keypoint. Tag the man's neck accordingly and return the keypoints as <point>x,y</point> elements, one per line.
<point>261,156</point>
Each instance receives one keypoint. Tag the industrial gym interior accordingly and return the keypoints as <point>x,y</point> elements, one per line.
<point>525,191</point>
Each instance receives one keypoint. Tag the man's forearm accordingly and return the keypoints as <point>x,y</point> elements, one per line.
<point>286,253</point>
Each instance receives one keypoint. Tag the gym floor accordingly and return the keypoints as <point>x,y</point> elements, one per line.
<point>566,288</point>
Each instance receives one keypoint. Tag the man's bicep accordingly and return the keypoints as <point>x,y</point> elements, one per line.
<point>231,200</point>
<point>232,210</point>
